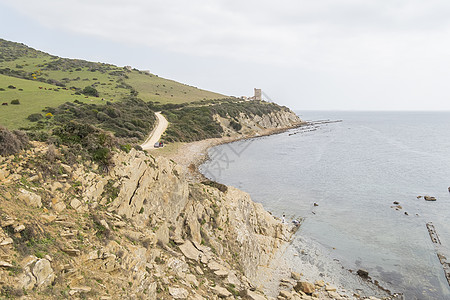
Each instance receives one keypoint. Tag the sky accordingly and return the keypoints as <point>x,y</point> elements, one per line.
<point>305,54</point>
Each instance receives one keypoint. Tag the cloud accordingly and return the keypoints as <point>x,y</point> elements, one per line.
<point>312,34</point>
<point>386,47</point>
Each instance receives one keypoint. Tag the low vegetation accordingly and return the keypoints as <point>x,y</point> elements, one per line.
<point>12,142</point>
<point>37,80</point>
<point>89,109</point>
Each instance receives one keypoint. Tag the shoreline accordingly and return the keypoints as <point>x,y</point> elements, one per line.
<point>192,155</point>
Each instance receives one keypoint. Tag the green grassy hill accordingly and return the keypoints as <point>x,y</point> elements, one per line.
<point>38,80</point>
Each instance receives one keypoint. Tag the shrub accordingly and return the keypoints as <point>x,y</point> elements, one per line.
<point>34,117</point>
<point>12,142</point>
<point>88,140</point>
<point>15,102</point>
<point>235,125</point>
<point>90,91</point>
<point>11,87</point>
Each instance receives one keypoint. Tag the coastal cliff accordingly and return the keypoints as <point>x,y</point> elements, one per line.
<point>143,230</point>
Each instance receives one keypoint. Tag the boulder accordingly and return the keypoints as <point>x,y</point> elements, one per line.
<point>296,276</point>
<point>6,241</point>
<point>3,174</point>
<point>76,204</point>
<point>429,198</point>
<point>72,252</point>
<point>55,186</point>
<point>255,296</point>
<point>215,266</point>
<point>221,292</point>
<point>334,295</point>
<point>4,264</point>
<point>192,280</point>
<point>286,294</point>
<point>233,279</point>
<point>221,273</point>
<point>178,293</point>
<point>27,280</point>
<point>320,283</point>
<point>305,287</point>
<point>330,288</point>
<point>189,251</point>
<point>19,228</point>
<point>199,270</point>
<point>43,272</point>
<point>48,218</point>
<point>31,199</point>
<point>79,289</point>
<point>58,205</point>
<point>363,274</point>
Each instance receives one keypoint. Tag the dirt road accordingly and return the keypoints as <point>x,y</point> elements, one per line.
<point>156,133</point>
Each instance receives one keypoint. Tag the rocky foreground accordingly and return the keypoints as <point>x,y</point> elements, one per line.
<point>143,230</point>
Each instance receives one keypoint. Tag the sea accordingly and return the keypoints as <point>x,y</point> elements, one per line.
<point>357,180</point>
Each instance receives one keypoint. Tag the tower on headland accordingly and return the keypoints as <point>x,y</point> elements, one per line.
<point>257,95</point>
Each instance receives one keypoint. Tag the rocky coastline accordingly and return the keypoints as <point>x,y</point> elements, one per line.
<point>148,229</point>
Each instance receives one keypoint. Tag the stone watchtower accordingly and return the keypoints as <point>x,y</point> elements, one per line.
<point>257,95</point>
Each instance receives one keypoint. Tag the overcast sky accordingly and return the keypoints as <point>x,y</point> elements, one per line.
<point>306,54</point>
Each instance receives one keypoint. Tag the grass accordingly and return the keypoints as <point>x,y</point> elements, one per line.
<point>32,100</point>
<point>28,69</point>
<point>157,89</point>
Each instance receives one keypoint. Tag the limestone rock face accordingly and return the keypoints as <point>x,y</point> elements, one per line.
<point>30,198</point>
<point>149,189</point>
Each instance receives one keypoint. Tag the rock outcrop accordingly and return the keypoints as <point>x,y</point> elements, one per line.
<point>255,124</point>
<point>133,232</point>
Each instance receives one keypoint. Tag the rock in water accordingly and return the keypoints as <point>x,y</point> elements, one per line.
<point>363,274</point>
<point>429,198</point>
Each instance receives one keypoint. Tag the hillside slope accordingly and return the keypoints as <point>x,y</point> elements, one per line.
<point>70,77</point>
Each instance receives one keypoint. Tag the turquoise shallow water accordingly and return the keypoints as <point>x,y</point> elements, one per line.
<point>354,170</point>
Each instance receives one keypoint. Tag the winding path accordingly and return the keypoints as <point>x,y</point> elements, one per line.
<point>156,133</point>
